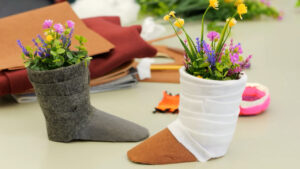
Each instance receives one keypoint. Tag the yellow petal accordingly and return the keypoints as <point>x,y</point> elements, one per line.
<point>241,9</point>
<point>49,38</point>
<point>172,13</point>
<point>214,4</point>
<point>237,2</point>
<point>232,22</point>
<point>167,17</point>
<point>179,23</point>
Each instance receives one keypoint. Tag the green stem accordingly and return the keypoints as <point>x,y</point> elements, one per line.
<point>188,52</point>
<point>224,43</point>
<point>226,37</point>
<point>174,30</point>
<point>202,25</point>
<point>219,46</point>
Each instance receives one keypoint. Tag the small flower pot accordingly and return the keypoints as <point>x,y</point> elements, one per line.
<point>208,114</point>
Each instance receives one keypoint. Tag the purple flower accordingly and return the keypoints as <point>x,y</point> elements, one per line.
<point>246,64</point>
<point>185,42</point>
<point>71,33</point>
<point>237,70</point>
<point>24,50</point>
<point>198,45</point>
<point>210,54</point>
<point>266,2</point>
<point>222,52</point>
<point>234,58</point>
<point>186,61</point>
<point>238,48</point>
<point>58,28</point>
<point>42,40</point>
<point>42,50</point>
<point>70,24</point>
<point>47,23</point>
<point>280,16</point>
<point>63,39</point>
<point>212,36</point>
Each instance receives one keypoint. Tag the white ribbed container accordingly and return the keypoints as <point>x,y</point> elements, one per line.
<point>208,114</point>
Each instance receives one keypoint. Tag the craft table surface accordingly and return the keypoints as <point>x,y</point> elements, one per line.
<point>268,141</point>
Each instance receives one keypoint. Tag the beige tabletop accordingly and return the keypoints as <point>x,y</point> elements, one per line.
<point>268,141</point>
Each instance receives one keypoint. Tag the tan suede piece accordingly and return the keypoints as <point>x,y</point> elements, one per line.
<point>26,26</point>
<point>162,148</point>
<point>167,76</point>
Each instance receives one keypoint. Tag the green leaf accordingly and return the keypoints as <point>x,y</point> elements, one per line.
<point>195,65</point>
<point>189,54</point>
<point>203,65</point>
<point>218,74</point>
<point>53,53</point>
<point>83,39</point>
<point>60,51</point>
<point>69,55</point>
<point>77,37</point>
<point>56,60</point>
<point>219,67</point>
<point>56,43</point>
<point>27,64</point>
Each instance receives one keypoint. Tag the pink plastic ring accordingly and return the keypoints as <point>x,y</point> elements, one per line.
<point>256,99</point>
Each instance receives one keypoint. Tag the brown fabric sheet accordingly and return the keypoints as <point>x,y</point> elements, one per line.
<point>26,26</point>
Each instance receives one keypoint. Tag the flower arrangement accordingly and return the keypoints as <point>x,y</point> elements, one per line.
<point>53,51</point>
<point>194,9</point>
<point>215,60</point>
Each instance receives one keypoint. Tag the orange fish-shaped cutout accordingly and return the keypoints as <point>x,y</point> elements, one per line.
<point>169,103</point>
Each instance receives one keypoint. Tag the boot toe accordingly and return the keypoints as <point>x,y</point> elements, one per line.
<point>162,148</point>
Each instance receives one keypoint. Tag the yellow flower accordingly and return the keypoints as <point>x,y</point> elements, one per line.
<point>228,1</point>
<point>214,4</point>
<point>167,17</point>
<point>179,22</point>
<point>237,2</point>
<point>172,13</point>
<point>200,77</point>
<point>241,9</point>
<point>49,38</point>
<point>232,22</point>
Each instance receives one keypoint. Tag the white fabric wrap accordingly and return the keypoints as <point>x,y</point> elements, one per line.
<point>208,114</point>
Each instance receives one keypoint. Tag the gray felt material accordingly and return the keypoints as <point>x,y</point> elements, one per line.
<point>63,95</point>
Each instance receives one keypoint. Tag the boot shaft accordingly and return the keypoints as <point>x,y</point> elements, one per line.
<point>63,95</point>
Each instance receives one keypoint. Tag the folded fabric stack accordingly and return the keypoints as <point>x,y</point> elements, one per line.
<point>108,71</point>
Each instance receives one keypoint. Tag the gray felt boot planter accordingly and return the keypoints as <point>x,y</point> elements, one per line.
<point>63,95</point>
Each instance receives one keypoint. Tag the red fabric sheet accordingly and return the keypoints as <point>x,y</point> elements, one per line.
<point>128,45</point>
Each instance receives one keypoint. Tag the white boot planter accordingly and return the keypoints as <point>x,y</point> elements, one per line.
<point>209,110</point>
<point>60,78</point>
<point>211,88</point>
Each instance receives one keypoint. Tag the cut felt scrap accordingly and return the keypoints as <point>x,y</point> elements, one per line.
<point>169,103</point>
